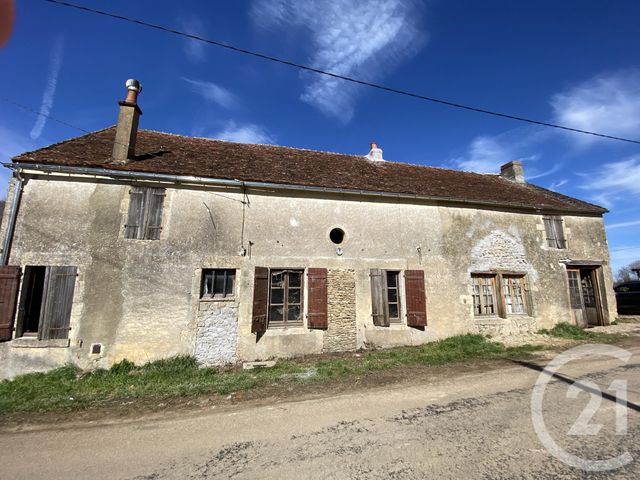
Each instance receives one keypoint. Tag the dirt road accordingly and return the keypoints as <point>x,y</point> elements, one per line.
<point>467,425</point>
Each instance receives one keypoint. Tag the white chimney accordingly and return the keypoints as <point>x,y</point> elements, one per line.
<point>124,146</point>
<point>375,154</point>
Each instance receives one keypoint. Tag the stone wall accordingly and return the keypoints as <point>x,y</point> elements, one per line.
<point>341,309</point>
<point>217,333</point>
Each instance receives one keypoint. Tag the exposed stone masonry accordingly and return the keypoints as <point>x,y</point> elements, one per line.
<point>341,308</point>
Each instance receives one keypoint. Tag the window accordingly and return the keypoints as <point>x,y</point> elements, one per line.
<point>500,294</point>
<point>484,294</point>
<point>555,232</point>
<point>46,301</point>
<point>285,298</point>
<point>393,296</point>
<point>513,291</point>
<point>144,220</point>
<point>217,283</point>
<point>388,293</point>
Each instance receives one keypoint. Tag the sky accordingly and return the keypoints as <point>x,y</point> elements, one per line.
<point>572,62</point>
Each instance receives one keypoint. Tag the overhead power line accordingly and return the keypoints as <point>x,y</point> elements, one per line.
<point>334,75</point>
<point>40,114</point>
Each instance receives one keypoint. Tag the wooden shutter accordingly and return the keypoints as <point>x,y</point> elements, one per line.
<point>416,298</point>
<point>59,284</point>
<point>498,295</point>
<point>317,311</point>
<point>135,219</point>
<point>528,297</point>
<point>9,282</point>
<point>260,300</point>
<point>557,226</point>
<point>153,220</point>
<point>378,296</point>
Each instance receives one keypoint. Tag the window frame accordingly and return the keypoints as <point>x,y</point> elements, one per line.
<point>285,322</point>
<point>227,273</point>
<point>517,287</point>
<point>554,232</point>
<point>398,302</point>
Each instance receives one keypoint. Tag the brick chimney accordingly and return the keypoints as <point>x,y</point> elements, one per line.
<point>513,171</point>
<point>124,146</point>
<point>375,154</point>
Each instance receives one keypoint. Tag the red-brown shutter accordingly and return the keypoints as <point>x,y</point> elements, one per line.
<point>378,297</point>
<point>317,310</point>
<point>416,298</point>
<point>9,282</point>
<point>260,300</point>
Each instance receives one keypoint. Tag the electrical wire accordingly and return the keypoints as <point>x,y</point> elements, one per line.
<point>332,74</point>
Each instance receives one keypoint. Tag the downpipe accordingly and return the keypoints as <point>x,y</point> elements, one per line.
<point>13,212</point>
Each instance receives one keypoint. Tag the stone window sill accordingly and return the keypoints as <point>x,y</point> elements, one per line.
<point>217,299</point>
<point>30,342</point>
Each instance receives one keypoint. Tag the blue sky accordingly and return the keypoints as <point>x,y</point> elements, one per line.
<point>570,62</point>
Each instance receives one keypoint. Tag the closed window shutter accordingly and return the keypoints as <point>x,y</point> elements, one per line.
<point>135,220</point>
<point>260,300</point>
<point>416,298</point>
<point>550,232</point>
<point>9,282</point>
<point>317,298</point>
<point>528,297</point>
<point>153,221</point>
<point>378,294</point>
<point>560,242</point>
<point>59,285</point>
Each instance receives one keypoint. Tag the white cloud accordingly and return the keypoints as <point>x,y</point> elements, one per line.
<point>194,49</point>
<point>213,93</point>
<point>244,133</point>
<point>348,37</point>
<point>55,63</point>
<point>608,104</point>
<point>614,181</point>
<point>632,223</point>
<point>485,155</point>
<point>557,184</point>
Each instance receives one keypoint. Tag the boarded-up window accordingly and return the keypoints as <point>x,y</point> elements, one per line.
<point>9,281</point>
<point>317,309</point>
<point>555,232</point>
<point>144,220</point>
<point>285,298</point>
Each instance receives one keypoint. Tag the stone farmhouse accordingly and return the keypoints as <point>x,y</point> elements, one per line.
<point>136,244</point>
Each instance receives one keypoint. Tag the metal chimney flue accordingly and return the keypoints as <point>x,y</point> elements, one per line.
<point>124,146</point>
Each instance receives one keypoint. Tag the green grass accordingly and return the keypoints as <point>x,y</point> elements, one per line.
<point>68,388</point>
<point>572,332</point>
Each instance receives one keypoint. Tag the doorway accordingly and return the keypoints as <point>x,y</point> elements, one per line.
<point>585,297</point>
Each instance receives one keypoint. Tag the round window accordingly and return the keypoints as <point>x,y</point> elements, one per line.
<point>336,235</point>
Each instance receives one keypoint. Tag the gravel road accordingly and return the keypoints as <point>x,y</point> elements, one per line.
<point>467,425</point>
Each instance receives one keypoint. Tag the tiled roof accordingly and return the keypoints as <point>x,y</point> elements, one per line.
<point>159,152</point>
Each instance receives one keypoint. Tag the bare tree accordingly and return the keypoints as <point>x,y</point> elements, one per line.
<point>629,272</point>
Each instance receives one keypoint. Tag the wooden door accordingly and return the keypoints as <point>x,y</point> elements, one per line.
<point>575,298</point>
<point>590,297</point>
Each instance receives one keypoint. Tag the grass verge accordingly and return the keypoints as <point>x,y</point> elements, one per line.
<point>68,388</point>
<point>572,332</point>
